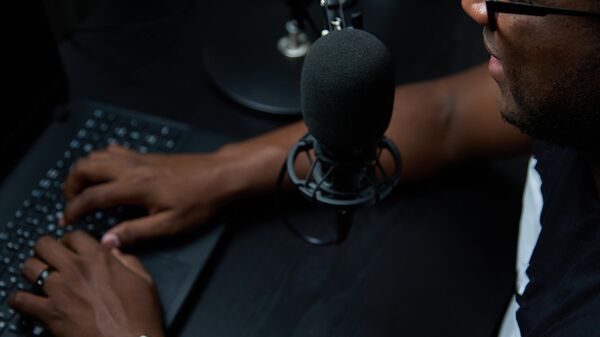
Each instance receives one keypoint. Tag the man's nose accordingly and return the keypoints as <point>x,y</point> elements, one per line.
<point>476,10</point>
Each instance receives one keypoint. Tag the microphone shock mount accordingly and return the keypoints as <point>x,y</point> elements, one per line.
<point>341,186</point>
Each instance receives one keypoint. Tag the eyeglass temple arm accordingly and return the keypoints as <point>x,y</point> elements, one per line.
<point>535,10</point>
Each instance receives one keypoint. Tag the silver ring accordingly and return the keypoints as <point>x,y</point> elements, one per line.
<point>41,279</point>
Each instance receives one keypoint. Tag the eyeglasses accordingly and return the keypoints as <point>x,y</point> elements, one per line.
<point>494,6</point>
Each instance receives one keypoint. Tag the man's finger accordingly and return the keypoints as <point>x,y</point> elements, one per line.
<point>88,171</point>
<point>32,268</point>
<point>80,242</point>
<point>119,149</point>
<point>54,254</point>
<point>31,305</point>
<point>133,231</point>
<point>103,196</point>
<point>133,264</point>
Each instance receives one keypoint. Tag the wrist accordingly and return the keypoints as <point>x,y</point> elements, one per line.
<point>249,170</point>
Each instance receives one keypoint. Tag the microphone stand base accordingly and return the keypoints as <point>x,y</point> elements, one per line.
<point>242,57</point>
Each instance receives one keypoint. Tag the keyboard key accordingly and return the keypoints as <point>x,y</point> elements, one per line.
<point>136,124</point>
<point>151,139</point>
<point>75,144</point>
<point>96,138</point>
<point>82,134</point>
<point>37,330</point>
<point>87,148</point>
<point>134,135</point>
<point>91,124</point>
<point>15,328</point>
<point>165,131</point>
<point>99,114</point>
<point>41,208</point>
<point>120,131</point>
<point>5,312</point>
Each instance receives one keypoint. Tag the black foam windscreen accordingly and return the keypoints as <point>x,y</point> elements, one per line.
<point>347,91</point>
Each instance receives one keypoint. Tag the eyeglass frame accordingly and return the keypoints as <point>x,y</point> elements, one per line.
<point>494,7</point>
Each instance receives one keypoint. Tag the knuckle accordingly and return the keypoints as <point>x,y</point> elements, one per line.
<point>81,263</point>
<point>144,175</point>
<point>96,155</point>
<point>17,300</point>
<point>79,166</point>
<point>55,310</point>
<point>67,238</point>
<point>28,263</point>
<point>28,267</point>
<point>41,243</point>
<point>127,234</point>
<point>88,196</point>
<point>72,236</point>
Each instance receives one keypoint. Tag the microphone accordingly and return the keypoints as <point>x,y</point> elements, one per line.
<point>347,94</point>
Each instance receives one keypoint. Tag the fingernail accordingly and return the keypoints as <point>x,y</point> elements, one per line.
<point>110,240</point>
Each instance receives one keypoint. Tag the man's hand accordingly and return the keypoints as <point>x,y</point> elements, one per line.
<point>178,191</point>
<point>91,290</point>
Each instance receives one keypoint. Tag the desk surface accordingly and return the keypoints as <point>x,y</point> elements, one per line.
<point>436,259</point>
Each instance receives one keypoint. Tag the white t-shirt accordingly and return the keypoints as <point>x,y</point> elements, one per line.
<point>529,232</point>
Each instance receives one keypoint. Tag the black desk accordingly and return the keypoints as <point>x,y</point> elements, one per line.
<point>436,259</point>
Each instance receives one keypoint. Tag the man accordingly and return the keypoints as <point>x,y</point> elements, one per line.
<point>546,78</point>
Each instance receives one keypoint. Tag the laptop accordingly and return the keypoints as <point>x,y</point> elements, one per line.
<point>42,135</point>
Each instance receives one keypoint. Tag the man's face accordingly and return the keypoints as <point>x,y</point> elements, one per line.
<point>547,70</point>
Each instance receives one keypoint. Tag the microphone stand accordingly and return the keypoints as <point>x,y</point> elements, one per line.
<point>254,51</point>
<point>254,55</point>
<point>344,202</point>
<point>344,219</point>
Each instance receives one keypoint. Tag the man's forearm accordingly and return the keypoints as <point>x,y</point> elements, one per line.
<point>434,124</point>
<point>255,163</point>
<point>442,122</point>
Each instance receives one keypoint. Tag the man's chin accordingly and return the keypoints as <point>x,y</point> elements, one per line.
<point>580,138</point>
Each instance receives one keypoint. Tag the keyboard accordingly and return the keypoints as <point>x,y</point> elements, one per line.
<point>39,214</point>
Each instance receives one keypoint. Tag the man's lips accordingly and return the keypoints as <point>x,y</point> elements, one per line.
<point>495,66</point>
<point>496,69</point>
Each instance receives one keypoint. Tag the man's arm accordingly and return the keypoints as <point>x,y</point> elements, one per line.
<point>443,122</point>
<point>435,124</point>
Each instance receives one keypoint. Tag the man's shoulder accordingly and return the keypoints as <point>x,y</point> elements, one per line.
<point>563,297</point>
